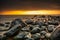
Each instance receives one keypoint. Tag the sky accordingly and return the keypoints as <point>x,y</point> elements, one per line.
<point>22,6</point>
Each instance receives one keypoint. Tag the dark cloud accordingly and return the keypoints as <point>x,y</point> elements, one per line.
<point>30,4</point>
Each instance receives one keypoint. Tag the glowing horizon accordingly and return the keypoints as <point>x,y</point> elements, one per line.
<point>36,12</point>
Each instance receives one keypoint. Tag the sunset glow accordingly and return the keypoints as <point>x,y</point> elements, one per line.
<point>36,12</point>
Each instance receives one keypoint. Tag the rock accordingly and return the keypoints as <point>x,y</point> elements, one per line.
<point>50,28</point>
<point>25,29</point>
<point>35,30</point>
<point>56,34</point>
<point>30,39</point>
<point>36,36</point>
<point>18,21</point>
<point>13,30</point>
<point>1,24</point>
<point>22,36</point>
<point>43,32</point>
<point>40,23</point>
<point>29,21</point>
<point>43,28</point>
<point>48,35</point>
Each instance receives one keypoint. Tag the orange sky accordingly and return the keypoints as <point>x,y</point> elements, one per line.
<point>33,12</point>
